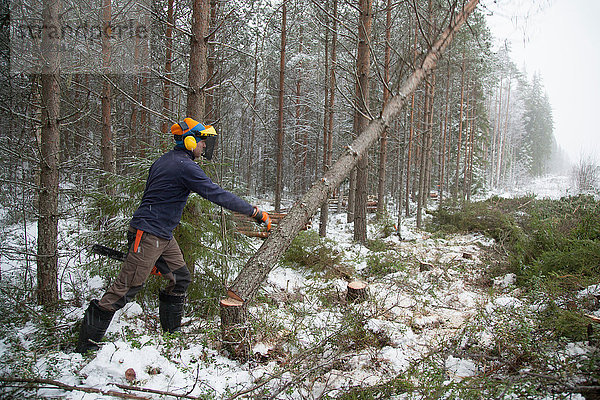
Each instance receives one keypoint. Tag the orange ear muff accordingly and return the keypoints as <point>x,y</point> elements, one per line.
<point>190,142</point>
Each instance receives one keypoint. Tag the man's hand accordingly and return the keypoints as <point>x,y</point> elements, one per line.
<point>261,217</point>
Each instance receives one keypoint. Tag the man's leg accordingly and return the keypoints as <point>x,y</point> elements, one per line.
<point>172,298</point>
<point>142,254</point>
<point>136,268</point>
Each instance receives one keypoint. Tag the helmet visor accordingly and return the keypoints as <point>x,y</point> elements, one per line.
<point>210,147</point>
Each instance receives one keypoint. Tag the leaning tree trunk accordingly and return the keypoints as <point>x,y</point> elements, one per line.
<point>233,309</point>
<point>47,257</point>
<point>258,266</point>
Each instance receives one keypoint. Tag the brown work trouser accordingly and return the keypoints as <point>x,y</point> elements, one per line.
<point>144,253</point>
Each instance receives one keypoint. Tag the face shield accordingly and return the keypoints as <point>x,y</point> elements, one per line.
<point>210,147</point>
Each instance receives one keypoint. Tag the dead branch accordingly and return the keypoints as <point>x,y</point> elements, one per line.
<point>71,388</point>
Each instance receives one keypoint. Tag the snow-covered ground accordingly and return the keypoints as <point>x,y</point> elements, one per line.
<point>434,290</point>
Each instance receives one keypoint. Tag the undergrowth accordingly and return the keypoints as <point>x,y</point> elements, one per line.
<point>554,248</point>
<point>309,251</point>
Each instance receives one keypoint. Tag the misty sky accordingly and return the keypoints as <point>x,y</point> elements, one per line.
<point>560,39</point>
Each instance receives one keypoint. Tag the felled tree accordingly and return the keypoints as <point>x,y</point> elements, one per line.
<point>258,266</point>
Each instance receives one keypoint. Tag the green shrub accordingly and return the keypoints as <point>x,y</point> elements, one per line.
<point>564,324</point>
<point>376,245</point>
<point>386,264</point>
<point>309,250</point>
<point>486,217</point>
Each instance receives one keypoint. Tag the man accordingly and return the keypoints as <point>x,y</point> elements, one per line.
<point>151,244</point>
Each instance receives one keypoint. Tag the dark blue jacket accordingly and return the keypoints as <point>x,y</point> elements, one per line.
<point>171,179</point>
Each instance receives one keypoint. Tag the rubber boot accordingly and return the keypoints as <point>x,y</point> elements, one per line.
<point>93,327</point>
<point>170,311</point>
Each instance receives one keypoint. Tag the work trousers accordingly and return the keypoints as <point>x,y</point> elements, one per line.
<point>146,252</point>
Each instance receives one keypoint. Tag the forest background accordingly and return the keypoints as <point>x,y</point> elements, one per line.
<point>91,91</point>
<point>82,109</point>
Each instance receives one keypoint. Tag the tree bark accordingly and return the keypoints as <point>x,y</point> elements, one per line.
<point>251,161</point>
<point>210,103</point>
<point>363,63</point>
<point>386,97</point>
<point>106,144</point>
<point>444,138</point>
<point>300,147</point>
<point>47,257</point>
<point>168,68</point>
<point>460,126</point>
<point>280,131</point>
<point>412,131</point>
<point>324,214</point>
<point>258,266</point>
<point>198,64</point>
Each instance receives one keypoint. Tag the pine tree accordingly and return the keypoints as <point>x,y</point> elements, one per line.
<point>537,119</point>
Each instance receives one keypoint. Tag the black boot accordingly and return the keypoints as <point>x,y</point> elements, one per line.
<point>170,311</point>
<point>94,325</point>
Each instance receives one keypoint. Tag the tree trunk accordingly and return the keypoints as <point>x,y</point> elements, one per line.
<point>260,264</point>
<point>106,143</point>
<point>324,214</point>
<point>465,195</point>
<point>401,166</point>
<point>363,63</point>
<point>460,126</point>
<point>47,260</point>
<point>280,132</point>
<point>198,63</point>
<point>332,87</point>
<point>210,103</point>
<point>412,131</point>
<point>299,135</point>
<point>386,96</point>
<point>168,68</point>
<point>444,138</point>
<point>251,160</point>
<point>502,134</point>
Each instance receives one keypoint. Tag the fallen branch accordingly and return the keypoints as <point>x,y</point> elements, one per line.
<point>593,318</point>
<point>71,388</point>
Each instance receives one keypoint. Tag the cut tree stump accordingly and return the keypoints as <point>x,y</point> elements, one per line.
<point>357,292</point>
<point>235,331</point>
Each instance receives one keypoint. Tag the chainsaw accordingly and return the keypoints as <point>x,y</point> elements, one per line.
<point>160,266</point>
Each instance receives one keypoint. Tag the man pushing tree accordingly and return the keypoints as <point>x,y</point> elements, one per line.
<point>150,236</point>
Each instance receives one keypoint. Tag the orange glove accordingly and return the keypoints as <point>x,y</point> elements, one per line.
<point>261,217</point>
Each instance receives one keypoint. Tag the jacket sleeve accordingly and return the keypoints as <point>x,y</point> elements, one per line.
<point>194,178</point>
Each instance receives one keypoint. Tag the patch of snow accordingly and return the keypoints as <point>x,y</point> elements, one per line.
<point>503,302</point>
<point>503,282</point>
<point>460,368</point>
<point>593,290</point>
<point>287,279</point>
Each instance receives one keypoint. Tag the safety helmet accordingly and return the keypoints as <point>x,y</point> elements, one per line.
<point>189,132</point>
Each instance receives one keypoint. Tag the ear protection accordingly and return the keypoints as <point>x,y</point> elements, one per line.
<point>188,132</point>
<point>189,140</point>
